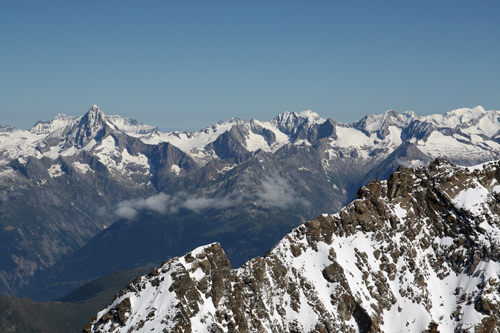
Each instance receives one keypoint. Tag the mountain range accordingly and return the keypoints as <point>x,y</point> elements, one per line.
<point>419,252</point>
<point>83,197</point>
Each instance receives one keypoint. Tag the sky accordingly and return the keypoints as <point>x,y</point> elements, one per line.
<point>183,65</point>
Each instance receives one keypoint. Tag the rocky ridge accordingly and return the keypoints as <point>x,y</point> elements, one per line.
<point>418,252</point>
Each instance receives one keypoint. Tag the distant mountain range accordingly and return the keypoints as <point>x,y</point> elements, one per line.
<point>82,197</point>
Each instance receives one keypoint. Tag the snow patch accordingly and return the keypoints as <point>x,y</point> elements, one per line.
<point>400,212</point>
<point>472,199</point>
<point>55,171</point>
<point>82,167</point>
<point>175,169</point>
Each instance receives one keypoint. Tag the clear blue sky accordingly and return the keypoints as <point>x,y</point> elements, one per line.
<point>183,65</point>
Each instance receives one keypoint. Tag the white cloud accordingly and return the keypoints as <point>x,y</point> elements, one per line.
<point>199,203</point>
<point>412,163</point>
<point>4,196</point>
<point>160,203</point>
<point>276,192</point>
<point>126,212</point>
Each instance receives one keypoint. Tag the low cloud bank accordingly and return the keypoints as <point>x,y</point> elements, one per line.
<point>275,192</point>
<point>5,196</point>
<point>411,163</point>
<point>156,203</point>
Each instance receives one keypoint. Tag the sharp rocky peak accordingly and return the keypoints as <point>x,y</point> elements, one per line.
<point>94,125</point>
<point>94,117</point>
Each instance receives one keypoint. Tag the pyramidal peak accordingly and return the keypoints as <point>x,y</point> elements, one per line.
<point>95,111</point>
<point>92,125</point>
<point>96,118</point>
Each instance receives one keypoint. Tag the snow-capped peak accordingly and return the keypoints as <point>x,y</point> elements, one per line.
<point>466,114</point>
<point>47,127</point>
<point>287,121</point>
<point>456,117</point>
<point>376,123</point>
<point>409,114</point>
<point>91,127</point>
<point>95,118</point>
<point>8,129</point>
<point>95,111</point>
<point>131,126</point>
<point>312,116</point>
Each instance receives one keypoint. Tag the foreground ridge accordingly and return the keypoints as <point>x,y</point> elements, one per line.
<point>418,252</point>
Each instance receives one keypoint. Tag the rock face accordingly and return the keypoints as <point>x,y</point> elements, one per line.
<point>418,252</point>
